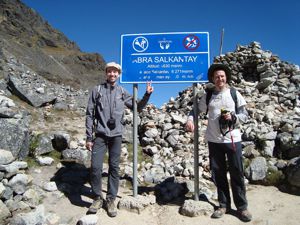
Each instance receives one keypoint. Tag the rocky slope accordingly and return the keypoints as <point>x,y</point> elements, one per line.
<point>44,49</point>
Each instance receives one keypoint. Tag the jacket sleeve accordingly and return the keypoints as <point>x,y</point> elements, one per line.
<point>90,116</point>
<point>143,102</point>
<point>241,114</point>
<point>128,99</point>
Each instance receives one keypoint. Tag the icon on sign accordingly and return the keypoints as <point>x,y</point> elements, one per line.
<point>140,44</point>
<point>191,42</point>
<point>164,44</point>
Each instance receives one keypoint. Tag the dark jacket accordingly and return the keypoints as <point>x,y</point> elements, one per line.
<point>108,102</point>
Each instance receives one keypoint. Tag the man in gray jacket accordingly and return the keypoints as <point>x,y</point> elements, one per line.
<point>104,127</point>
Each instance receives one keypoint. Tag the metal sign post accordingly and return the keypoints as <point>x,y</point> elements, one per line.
<point>135,134</point>
<point>196,144</point>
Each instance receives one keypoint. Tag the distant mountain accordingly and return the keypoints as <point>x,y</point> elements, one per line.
<point>47,51</point>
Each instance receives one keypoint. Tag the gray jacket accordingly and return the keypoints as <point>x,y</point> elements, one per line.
<point>105,102</point>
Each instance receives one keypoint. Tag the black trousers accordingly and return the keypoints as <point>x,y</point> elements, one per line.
<point>218,165</point>
<point>101,144</point>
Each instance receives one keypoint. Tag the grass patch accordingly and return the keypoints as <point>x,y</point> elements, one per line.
<point>274,177</point>
<point>56,155</point>
<point>34,143</point>
<point>22,103</point>
<point>59,50</point>
<point>246,162</point>
<point>141,157</point>
<point>31,162</point>
<point>260,144</point>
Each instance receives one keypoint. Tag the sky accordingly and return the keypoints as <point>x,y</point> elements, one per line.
<point>97,25</point>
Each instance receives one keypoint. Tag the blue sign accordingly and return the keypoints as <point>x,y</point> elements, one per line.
<point>165,57</point>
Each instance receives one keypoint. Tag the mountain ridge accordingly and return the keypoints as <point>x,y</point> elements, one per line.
<point>44,49</point>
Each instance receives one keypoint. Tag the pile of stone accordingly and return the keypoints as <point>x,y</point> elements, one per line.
<point>271,137</point>
<point>20,201</point>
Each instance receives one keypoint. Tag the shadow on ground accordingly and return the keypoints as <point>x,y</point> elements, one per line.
<point>72,180</point>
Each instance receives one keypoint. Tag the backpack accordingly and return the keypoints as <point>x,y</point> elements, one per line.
<point>209,93</point>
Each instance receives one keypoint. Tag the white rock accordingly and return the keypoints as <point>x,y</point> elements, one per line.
<point>50,186</point>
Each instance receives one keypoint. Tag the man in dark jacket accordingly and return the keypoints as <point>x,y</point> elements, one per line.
<point>104,119</point>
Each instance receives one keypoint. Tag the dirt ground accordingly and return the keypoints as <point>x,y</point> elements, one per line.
<point>269,206</point>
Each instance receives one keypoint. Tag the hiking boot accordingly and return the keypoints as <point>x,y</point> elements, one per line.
<point>97,204</point>
<point>244,215</point>
<point>219,213</point>
<point>111,208</point>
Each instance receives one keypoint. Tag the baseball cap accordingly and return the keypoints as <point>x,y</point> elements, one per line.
<point>114,65</point>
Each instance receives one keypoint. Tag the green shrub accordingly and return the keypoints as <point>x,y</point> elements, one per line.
<point>56,155</point>
<point>141,157</point>
<point>260,144</point>
<point>246,162</point>
<point>274,177</point>
<point>31,162</point>
<point>34,143</point>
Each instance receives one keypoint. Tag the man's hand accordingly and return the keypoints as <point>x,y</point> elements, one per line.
<point>89,145</point>
<point>149,88</point>
<point>229,116</point>
<point>189,126</point>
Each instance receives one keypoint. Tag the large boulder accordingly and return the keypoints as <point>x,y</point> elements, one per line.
<point>34,92</point>
<point>14,135</point>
